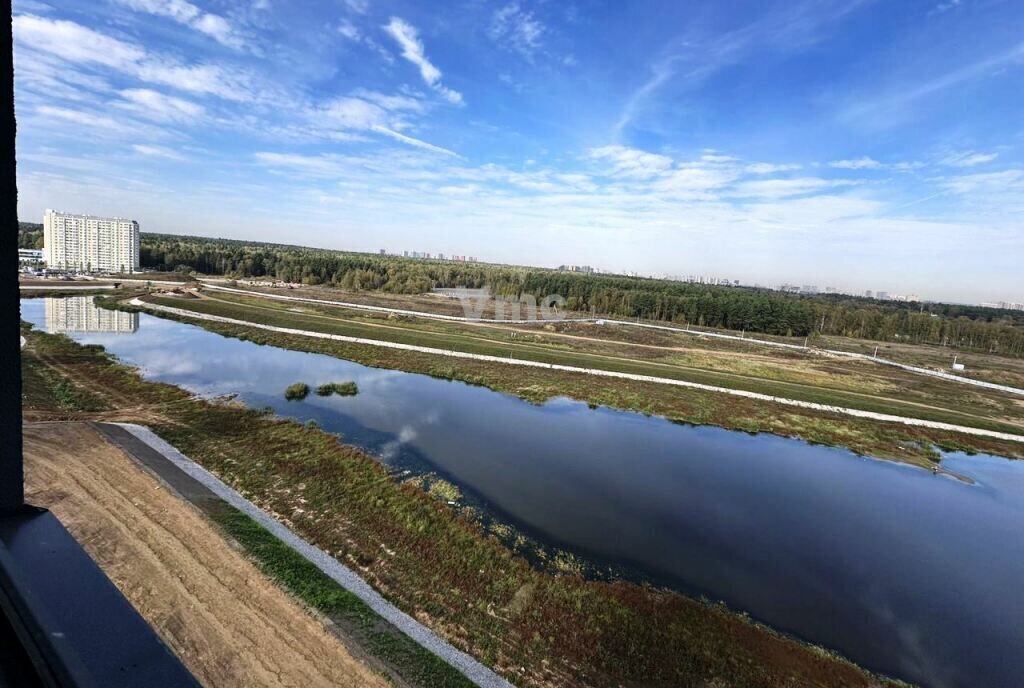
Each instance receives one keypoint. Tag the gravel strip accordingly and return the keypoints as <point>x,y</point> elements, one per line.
<point>698,333</point>
<point>344,576</point>
<point>857,413</point>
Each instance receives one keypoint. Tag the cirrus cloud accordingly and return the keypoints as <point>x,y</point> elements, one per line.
<point>407,37</point>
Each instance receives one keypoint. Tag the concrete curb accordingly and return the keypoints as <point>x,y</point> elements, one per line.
<point>341,574</point>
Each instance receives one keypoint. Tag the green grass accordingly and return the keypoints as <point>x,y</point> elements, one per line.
<point>767,366</point>
<point>884,440</point>
<point>536,628</point>
<point>532,352</point>
<point>43,387</point>
<point>297,391</point>
<point>311,585</point>
<point>342,389</point>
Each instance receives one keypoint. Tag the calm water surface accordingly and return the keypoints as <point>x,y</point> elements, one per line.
<point>913,574</point>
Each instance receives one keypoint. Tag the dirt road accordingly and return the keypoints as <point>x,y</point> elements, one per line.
<point>229,624</point>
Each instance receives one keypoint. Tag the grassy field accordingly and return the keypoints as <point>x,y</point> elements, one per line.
<point>885,440</point>
<point>304,580</point>
<point>796,375</point>
<point>536,628</point>
<point>1004,370</point>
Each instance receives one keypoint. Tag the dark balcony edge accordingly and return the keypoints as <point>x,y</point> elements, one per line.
<point>75,625</point>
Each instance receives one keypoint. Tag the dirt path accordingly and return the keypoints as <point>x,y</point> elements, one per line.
<point>547,348</point>
<point>122,406</point>
<point>665,328</point>
<point>229,624</point>
<point>598,372</point>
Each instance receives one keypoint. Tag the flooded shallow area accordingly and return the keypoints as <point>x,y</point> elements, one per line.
<point>906,572</point>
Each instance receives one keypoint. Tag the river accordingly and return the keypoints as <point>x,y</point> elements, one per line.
<point>906,572</point>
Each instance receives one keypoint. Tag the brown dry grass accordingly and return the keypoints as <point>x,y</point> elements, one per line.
<point>230,624</point>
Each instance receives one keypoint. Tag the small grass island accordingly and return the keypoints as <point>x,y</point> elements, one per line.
<point>297,392</point>
<point>343,389</point>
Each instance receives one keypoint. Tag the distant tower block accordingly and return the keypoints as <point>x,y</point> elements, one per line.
<point>90,244</point>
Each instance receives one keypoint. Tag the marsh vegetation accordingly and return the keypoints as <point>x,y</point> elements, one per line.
<point>297,391</point>
<point>341,389</point>
<point>536,628</point>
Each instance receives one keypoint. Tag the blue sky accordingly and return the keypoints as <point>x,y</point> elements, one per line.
<point>856,144</point>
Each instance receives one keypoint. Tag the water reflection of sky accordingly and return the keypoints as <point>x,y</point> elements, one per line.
<point>903,571</point>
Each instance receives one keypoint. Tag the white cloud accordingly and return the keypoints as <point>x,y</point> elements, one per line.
<point>694,182</point>
<point>516,27</point>
<point>661,72</point>
<point>695,55</point>
<point>392,102</point>
<point>944,7</point>
<point>409,140</point>
<point>183,12</point>
<point>49,78</point>
<point>203,78</point>
<point>374,112</point>
<point>864,163</point>
<point>784,188</point>
<point>75,43</point>
<point>412,50</point>
<point>85,119</point>
<point>891,108</point>
<point>810,213</point>
<point>157,152</point>
<point>354,113</point>
<point>969,159</point>
<point>769,168</point>
<point>349,31</point>
<point>989,183</point>
<point>358,6</point>
<point>68,42</point>
<point>317,165</point>
<point>219,29</point>
<point>158,106</point>
<point>79,124</point>
<point>995,196</point>
<point>632,162</point>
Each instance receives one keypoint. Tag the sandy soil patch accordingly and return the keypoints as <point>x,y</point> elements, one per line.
<point>229,623</point>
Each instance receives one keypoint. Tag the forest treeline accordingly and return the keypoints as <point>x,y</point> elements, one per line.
<point>736,308</point>
<point>30,235</point>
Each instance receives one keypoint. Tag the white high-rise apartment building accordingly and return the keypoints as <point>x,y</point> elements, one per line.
<point>90,244</point>
<point>78,314</point>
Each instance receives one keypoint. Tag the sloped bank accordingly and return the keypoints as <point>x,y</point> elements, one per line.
<point>534,628</point>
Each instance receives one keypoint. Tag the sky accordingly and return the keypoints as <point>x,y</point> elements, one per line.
<point>856,144</point>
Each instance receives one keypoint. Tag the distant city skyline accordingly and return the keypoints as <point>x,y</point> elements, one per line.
<point>853,143</point>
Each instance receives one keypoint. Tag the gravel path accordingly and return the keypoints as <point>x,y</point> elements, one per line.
<point>857,413</point>
<point>344,576</point>
<point>697,333</point>
<point>380,309</point>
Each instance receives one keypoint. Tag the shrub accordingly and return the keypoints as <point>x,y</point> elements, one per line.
<point>344,389</point>
<point>297,392</point>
